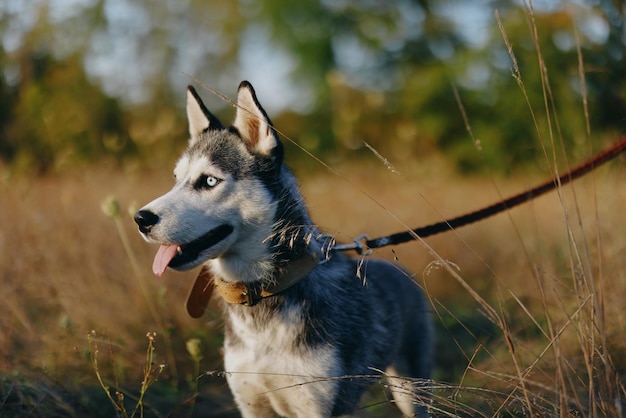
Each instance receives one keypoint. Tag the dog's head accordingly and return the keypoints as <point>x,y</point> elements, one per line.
<point>224,199</point>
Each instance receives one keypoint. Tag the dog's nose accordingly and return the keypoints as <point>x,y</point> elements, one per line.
<point>146,220</point>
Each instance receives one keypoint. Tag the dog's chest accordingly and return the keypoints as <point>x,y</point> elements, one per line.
<point>252,329</point>
<point>263,335</point>
<point>271,356</point>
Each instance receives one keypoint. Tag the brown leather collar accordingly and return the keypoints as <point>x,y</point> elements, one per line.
<point>245,293</point>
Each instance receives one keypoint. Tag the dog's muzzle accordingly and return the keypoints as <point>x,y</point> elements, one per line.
<point>187,252</point>
<point>191,251</point>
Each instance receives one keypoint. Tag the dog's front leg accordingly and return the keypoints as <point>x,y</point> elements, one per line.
<point>278,397</point>
<point>249,397</point>
<point>255,407</point>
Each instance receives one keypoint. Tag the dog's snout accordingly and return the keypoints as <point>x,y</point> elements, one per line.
<point>146,220</point>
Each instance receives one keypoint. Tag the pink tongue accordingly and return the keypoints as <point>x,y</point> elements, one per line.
<point>163,258</point>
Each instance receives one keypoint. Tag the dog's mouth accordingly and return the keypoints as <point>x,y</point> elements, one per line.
<point>178,255</point>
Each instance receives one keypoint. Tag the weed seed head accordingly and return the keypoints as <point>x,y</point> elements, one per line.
<point>111,206</point>
<point>194,348</point>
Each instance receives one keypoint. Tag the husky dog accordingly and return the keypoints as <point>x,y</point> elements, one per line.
<point>306,329</point>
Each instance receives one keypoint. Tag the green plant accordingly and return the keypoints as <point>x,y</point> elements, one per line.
<point>111,207</point>
<point>151,373</point>
<point>194,349</point>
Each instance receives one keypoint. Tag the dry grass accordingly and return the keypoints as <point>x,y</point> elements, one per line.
<point>528,305</point>
<point>533,320</point>
<point>65,273</point>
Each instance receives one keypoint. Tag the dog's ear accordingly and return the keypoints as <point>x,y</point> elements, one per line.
<point>199,117</point>
<point>252,122</point>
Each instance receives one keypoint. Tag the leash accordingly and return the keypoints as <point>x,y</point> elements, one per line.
<point>363,244</point>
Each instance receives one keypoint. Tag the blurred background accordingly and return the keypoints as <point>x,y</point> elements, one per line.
<point>421,109</point>
<point>85,80</point>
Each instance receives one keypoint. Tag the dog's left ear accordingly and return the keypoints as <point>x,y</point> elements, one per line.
<point>252,122</point>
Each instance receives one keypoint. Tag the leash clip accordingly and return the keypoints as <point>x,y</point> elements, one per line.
<point>359,245</point>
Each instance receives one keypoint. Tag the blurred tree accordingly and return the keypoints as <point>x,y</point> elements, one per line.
<point>380,72</point>
<point>391,70</point>
<point>605,60</point>
<point>54,116</point>
<point>57,117</point>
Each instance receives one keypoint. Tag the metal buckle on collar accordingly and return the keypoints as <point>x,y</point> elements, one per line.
<point>249,294</point>
<point>359,245</point>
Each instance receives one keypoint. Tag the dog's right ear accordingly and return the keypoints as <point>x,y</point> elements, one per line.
<point>199,117</point>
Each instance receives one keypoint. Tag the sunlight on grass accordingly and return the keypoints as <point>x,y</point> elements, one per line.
<point>542,341</point>
<point>528,305</point>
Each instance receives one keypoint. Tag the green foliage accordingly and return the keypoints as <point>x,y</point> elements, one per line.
<point>107,78</point>
<point>57,117</point>
<point>151,374</point>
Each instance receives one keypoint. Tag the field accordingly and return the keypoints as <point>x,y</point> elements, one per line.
<point>528,305</point>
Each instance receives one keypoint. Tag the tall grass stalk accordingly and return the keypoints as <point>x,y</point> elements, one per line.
<point>111,207</point>
<point>151,374</point>
<point>604,393</point>
<point>194,348</point>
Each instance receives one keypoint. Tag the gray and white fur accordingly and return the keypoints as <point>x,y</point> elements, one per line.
<point>310,350</point>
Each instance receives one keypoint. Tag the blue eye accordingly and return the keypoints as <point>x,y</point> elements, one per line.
<point>206,182</point>
<point>211,181</point>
